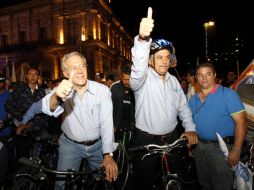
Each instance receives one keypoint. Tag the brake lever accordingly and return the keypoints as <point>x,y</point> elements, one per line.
<point>143,157</point>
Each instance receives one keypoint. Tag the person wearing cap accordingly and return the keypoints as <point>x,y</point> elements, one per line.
<point>159,98</point>
<point>87,123</point>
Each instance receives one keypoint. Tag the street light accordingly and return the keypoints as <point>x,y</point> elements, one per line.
<point>206,26</point>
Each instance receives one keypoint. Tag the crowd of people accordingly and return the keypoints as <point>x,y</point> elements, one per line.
<point>147,100</point>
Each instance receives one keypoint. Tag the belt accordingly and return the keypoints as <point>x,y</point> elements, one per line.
<point>87,143</point>
<point>228,140</point>
<point>161,137</point>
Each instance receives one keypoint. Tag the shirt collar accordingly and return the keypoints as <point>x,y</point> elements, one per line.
<point>215,88</point>
<point>155,74</point>
<point>90,87</point>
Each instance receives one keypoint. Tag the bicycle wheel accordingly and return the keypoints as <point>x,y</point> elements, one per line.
<point>24,183</point>
<point>173,185</point>
<point>123,169</point>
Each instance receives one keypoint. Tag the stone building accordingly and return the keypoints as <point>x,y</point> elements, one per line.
<point>40,32</point>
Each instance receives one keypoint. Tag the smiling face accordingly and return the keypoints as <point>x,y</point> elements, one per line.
<point>160,61</point>
<point>77,65</point>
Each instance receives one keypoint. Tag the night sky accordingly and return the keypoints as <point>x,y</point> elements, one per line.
<point>181,21</point>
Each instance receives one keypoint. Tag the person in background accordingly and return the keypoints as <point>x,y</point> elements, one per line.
<point>159,98</point>
<point>123,103</point>
<point>184,85</point>
<point>193,86</point>
<point>109,80</point>
<point>230,78</point>
<point>87,125</point>
<point>19,101</point>
<point>49,86</point>
<point>216,109</point>
<point>7,142</point>
<point>4,94</point>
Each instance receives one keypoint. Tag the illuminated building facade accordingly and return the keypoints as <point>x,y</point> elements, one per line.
<point>40,32</point>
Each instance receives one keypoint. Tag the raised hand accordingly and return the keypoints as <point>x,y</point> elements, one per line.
<point>65,87</point>
<point>146,25</point>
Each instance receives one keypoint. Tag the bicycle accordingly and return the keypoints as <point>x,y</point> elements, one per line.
<point>170,181</point>
<point>37,177</point>
<point>122,159</point>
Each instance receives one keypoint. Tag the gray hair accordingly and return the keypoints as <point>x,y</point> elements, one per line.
<point>68,55</point>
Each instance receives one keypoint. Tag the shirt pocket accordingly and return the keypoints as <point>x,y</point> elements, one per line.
<point>95,111</point>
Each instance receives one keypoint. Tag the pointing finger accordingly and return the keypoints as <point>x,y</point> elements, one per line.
<point>71,76</point>
<point>149,12</point>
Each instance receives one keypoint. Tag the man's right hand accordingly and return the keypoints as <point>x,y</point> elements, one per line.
<point>65,87</point>
<point>146,25</point>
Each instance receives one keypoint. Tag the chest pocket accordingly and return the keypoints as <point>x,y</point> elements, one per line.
<point>95,111</point>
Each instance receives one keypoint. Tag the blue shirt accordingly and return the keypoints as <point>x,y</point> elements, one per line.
<point>215,113</point>
<point>87,118</point>
<point>157,102</point>
<point>32,111</point>
<point>3,113</point>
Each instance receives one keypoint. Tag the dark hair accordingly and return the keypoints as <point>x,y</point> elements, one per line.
<point>33,68</point>
<point>206,65</point>
<point>110,77</point>
<point>191,72</point>
<point>126,69</point>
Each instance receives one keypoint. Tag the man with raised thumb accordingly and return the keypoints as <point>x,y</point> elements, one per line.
<point>87,123</point>
<point>159,99</point>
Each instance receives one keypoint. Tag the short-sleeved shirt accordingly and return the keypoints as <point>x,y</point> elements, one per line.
<point>215,113</point>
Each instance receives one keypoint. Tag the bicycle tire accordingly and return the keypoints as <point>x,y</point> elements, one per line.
<point>26,183</point>
<point>123,168</point>
<point>173,185</point>
<point>23,183</point>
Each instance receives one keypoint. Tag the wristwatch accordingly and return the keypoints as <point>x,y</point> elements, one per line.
<point>108,153</point>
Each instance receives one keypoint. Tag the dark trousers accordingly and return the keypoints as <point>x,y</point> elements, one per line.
<point>3,162</point>
<point>148,170</point>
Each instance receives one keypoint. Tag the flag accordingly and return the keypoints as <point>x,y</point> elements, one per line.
<point>22,74</point>
<point>243,175</point>
<point>13,73</point>
<point>246,77</point>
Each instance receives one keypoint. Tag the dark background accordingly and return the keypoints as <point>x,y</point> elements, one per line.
<point>181,21</point>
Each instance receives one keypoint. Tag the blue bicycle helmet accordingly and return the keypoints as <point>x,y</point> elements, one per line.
<point>159,44</point>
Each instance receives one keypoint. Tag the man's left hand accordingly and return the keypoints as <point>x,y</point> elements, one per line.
<point>233,157</point>
<point>191,136</point>
<point>111,168</point>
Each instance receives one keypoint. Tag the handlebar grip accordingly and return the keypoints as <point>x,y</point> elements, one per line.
<point>136,148</point>
<point>27,162</point>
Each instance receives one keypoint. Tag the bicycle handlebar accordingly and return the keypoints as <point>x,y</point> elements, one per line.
<point>34,164</point>
<point>154,147</point>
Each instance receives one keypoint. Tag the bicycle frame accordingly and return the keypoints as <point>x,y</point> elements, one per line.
<point>73,178</point>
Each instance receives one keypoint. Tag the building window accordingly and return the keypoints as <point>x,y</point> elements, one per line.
<point>42,33</point>
<point>4,40</point>
<point>22,37</point>
<point>73,31</point>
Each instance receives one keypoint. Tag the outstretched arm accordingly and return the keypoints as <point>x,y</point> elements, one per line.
<point>140,52</point>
